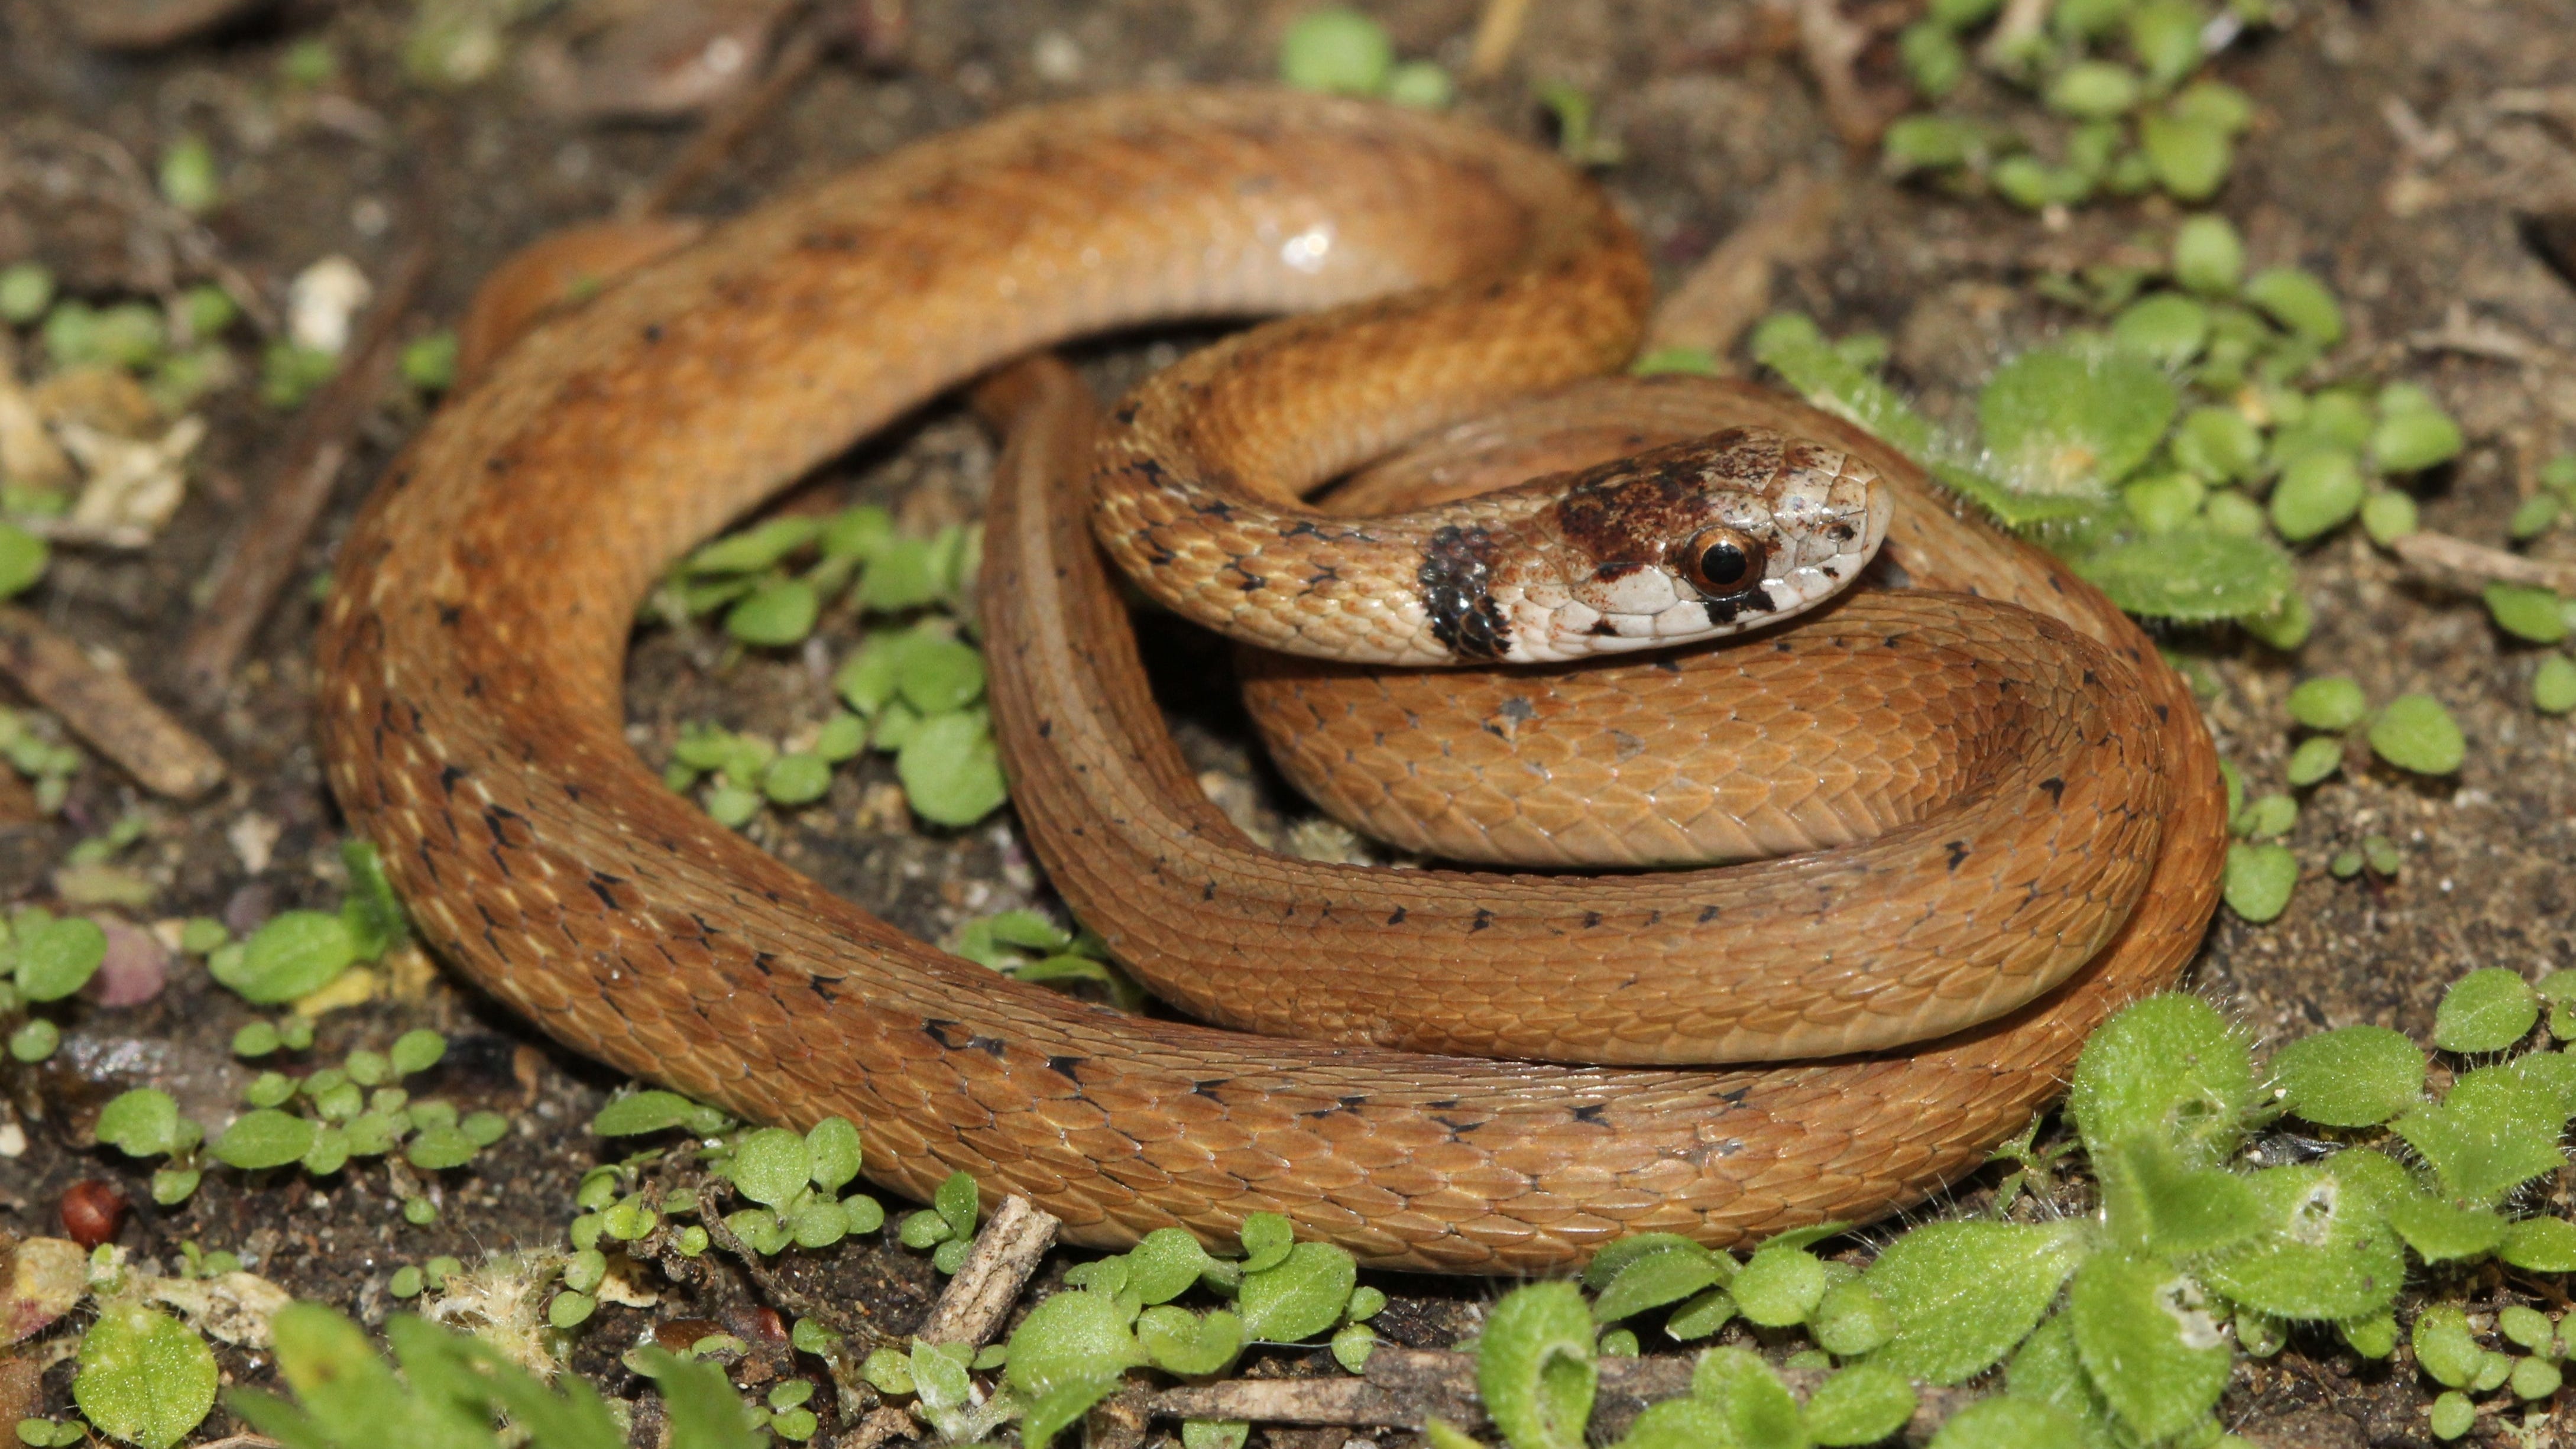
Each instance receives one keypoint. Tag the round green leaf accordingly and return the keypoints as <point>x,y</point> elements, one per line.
<point>1651,1280</point>
<point>2259,880</point>
<point>2314,760</point>
<point>1336,50</point>
<point>59,957</point>
<point>1071,1338</point>
<point>2540,1245</point>
<point>145,1377</point>
<point>2317,492</point>
<point>2093,89</point>
<point>23,557</point>
<point>936,676</point>
<point>775,614</point>
<point>2416,733</point>
<point>2333,702</point>
<point>265,1138</point>
<point>2388,515</point>
<point>951,770</point>
<point>1861,1404</point>
<point>1850,1320</point>
<point>797,779</point>
<point>2297,301</point>
<point>2553,685</point>
<point>2169,1067</point>
<point>2217,443</point>
<point>2168,327</point>
<point>832,1149</point>
<point>2188,156</point>
<point>2355,1076</point>
<point>2208,256</point>
<point>1778,1287</point>
<point>1301,1296</point>
<point>2487,1010</point>
<point>771,1166</point>
<point>416,1051</point>
<point>2410,441</point>
<point>295,954</point>
<point>141,1123</point>
<point>2526,612</point>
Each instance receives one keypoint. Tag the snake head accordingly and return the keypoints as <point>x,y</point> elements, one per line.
<point>1700,539</point>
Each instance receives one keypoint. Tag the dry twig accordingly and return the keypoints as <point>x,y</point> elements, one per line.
<point>268,545</point>
<point>2440,553</point>
<point>996,1269</point>
<point>737,119</point>
<point>1731,289</point>
<point>107,708</point>
<point>1829,45</point>
<point>1498,32</point>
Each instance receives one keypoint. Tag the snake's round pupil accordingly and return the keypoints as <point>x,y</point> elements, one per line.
<point>1721,561</point>
<point>1722,564</point>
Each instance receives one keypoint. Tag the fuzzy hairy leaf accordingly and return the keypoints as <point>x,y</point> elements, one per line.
<point>1963,1293</point>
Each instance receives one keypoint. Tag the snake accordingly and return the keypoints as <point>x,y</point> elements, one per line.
<point>471,660</point>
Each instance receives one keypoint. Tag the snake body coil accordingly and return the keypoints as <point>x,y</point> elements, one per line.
<point>472,660</point>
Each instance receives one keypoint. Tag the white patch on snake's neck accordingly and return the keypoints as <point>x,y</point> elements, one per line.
<point>1308,249</point>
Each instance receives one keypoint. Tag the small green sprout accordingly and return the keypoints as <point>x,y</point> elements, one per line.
<point>2416,733</point>
<point>26,290</point>
<point>1338,50</point>
<point>188,178</point>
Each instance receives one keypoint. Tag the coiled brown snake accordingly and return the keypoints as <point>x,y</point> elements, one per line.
<point>473,650</point>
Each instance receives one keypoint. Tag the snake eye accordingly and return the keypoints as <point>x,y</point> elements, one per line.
<point>1721,561</point>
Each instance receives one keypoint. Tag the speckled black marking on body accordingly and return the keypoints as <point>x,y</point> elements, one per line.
<point>1456,574</point>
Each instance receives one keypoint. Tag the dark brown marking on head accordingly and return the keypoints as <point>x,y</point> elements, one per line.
<point>1629,510</point>
<point>1457,577</point>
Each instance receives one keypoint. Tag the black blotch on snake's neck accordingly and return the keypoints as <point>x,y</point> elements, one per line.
<point>1456,573</point>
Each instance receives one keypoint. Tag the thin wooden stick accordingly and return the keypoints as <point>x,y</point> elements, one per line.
<point>996,1269</point>
<point>2440,552</point>
<point>106,708</point>
<point>269,544</point>
<point>726,129</point>
<point>1498,32</point>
